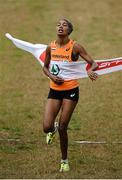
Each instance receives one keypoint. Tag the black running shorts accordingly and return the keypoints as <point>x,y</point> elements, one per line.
<point>72,94</point>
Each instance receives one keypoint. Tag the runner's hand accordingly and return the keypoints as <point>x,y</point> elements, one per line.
<point>57,79</point>
<point>92,75</point>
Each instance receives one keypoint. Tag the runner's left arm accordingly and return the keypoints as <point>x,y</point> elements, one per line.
<point>82,52</point>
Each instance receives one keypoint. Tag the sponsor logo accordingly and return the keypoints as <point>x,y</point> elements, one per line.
<point>68,49</point>
<point>72,95</point>
<point>106,64</point>
<point>60,56</point>
<point>55,69</point>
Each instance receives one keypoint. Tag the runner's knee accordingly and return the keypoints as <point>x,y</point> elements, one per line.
<point>48,128</point>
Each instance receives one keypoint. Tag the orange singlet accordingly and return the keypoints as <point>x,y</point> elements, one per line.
<point>63,54</point>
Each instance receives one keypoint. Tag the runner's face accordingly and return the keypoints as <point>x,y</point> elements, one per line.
<point>62,28</point>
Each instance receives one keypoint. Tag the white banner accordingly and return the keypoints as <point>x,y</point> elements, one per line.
<point>72,70</point>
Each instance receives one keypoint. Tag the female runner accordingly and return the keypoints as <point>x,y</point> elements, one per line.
<point>63,95</point>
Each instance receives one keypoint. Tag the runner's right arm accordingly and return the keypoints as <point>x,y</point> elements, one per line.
<point>55,79</point>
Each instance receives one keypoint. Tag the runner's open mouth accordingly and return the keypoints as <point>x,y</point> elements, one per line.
<point>60,30</point>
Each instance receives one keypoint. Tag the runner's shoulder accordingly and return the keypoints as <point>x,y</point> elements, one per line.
<point>78,47</point>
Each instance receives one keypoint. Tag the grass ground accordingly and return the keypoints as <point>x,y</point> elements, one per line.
<point>24,88</point>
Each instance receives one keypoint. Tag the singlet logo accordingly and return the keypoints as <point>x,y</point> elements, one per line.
<point>68,49</point>
<point>55,69</point>
<point>60,56</point>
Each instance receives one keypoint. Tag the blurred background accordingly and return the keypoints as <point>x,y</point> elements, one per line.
<point>24,89</point>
